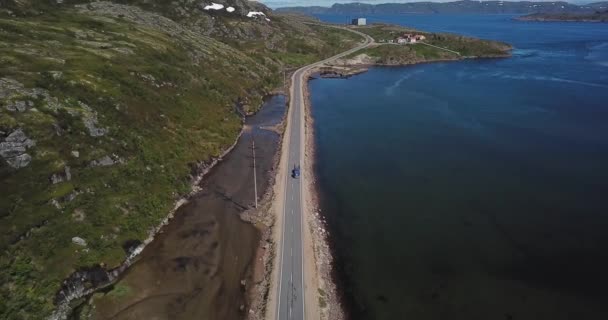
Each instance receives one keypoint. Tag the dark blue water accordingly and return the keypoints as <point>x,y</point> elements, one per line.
<point>474,189</point>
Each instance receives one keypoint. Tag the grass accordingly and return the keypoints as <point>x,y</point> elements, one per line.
<point>322,303</point>
<point>322,297</point>
<point>159,128</point>
<point>383,32</point>
<point>119,291</point>
<point>393,54</point>
<point>304,44</point>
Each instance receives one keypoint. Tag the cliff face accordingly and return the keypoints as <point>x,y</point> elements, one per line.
<point>106,111</point>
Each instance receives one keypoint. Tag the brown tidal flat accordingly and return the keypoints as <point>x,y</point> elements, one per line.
<point>195,266</point>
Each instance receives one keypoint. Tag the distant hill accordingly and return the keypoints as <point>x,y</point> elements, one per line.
<point>599,5</point>
<point>567,17</point>
<point>466,6</point>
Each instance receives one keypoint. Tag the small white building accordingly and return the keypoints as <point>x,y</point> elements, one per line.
<point>359,22</point>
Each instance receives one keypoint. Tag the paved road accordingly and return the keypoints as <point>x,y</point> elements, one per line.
<point>290,300</point>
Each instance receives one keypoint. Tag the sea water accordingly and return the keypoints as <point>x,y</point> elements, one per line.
<point>475,189</point>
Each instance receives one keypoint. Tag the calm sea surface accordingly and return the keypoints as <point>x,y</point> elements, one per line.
<point>475,189</point>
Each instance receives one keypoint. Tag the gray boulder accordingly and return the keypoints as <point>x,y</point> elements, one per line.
<point>79,241</point>
<point>20,106</point>
<point>89,118</point>
<point>13,149</point>
<point>66,175</point>
<point>105,161</point>
<point>20,161</point>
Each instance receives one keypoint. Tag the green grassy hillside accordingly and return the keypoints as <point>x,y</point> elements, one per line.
<point>105,112</point>
<point>394,54</point>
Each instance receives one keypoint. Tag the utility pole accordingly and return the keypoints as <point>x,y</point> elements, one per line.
<point>255,182</point>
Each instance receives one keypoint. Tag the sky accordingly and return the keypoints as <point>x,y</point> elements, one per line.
<point>328,3</point>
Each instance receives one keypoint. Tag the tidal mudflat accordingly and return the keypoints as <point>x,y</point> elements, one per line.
<point>195,267</point>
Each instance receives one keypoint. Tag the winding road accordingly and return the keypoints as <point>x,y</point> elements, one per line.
<point>290,293</point>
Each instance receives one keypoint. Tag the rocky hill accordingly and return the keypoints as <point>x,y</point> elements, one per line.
<point>107,111</point>
<point>466,6</point>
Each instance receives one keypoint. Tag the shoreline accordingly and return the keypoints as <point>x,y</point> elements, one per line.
<point>326,283</point>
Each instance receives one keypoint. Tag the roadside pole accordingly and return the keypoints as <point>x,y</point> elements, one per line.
<point>255,182</point>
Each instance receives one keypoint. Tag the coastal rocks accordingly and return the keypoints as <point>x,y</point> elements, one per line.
<point>358,60</point>
<point>13,149</point>
<point>340,72</point>
<point>79,284</point>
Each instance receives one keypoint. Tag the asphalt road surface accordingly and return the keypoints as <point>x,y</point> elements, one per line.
<point>290,300</point>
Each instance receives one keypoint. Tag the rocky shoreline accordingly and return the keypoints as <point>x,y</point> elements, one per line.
<point>331,307</point>
<point>342,72</point>
<point>327,289</point>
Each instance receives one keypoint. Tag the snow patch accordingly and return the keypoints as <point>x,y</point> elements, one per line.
<point>252,14</point>
<point>214,6</point>
<point>230,9</point>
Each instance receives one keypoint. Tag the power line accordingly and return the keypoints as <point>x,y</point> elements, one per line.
<point>255,182</point>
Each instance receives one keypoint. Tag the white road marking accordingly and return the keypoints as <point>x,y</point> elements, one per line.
<point>297,115</point>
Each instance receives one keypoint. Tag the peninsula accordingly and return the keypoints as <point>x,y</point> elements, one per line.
<point>597,16</point>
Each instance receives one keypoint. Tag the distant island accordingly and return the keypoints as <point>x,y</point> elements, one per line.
<point>466,6</point>
<point>599,16</point>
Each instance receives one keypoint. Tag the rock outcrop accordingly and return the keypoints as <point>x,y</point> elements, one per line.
<point>106,161</point>
<point>66,175</point>
<point>13,149</point>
